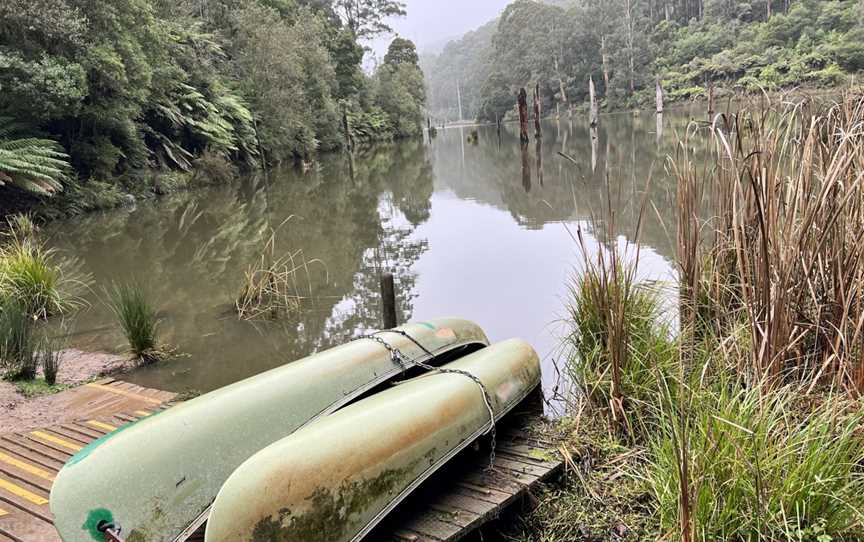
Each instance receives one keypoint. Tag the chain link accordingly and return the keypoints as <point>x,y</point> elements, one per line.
<point>405,362</point>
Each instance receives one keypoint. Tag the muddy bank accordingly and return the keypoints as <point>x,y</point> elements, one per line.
<point>21,414</point>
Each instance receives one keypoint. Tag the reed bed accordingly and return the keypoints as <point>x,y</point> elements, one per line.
<point>751,419</point>
<point>275,286</point>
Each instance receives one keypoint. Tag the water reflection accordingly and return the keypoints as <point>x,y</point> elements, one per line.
<point>477,231</point>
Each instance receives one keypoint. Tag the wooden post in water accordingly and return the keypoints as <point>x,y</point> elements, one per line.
<point>538,133</point>
<point>523,116</point>
<point>388,301</point>
<point>593,96</point>
<point>659,96</point>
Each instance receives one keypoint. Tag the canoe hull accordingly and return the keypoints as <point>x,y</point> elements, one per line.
<point>158,476</point>
<point>336,478</point>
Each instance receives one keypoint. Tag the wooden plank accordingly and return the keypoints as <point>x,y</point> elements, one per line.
<point>37,447</point>
<point>48,463</point>
<point>22,527</point>
<point>18,476</point>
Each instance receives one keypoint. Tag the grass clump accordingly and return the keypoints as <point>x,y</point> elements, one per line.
<point>38,388</point>
<point>761,466</point>
<point>31,274</point>
<point>275,286</point>
<point>17,342</point>
<point>137,318</point>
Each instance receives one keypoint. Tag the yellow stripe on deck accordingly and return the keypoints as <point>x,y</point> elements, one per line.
<point>100,425</point>
<point>56,440</point>
<point>142,413</point>
<point>26,467</point>
<point>23,493</point>
<point>124,393</point>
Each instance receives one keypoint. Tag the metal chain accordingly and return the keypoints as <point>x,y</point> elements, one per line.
<point>405,362</point>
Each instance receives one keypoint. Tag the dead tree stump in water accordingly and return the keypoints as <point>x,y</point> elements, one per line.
<point>659,96</point>
<point>523,116</point>
<point>538,133</point>
<point>710,101</point>
<point>594,115</point>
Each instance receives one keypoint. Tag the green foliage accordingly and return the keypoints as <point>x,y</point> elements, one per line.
<point>137,318</point>
<point>368,18</point>
<point>32,277</point>
<point>126,85</point>
<point>36,165</point>
<point>626,44</point>
<point>38,388</point>
<point>764,466</point>
<point>400,91</point>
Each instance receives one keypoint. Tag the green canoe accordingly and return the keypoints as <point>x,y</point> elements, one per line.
<point>336,478</point>
<point>157,478</point>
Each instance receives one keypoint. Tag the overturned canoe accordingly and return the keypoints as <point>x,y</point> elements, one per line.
<point>335,479</point>
<point>157,478</point>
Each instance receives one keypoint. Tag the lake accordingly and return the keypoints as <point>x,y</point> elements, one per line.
<point>479,231</point>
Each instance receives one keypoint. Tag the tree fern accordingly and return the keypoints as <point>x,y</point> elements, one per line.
<point>36,165</point>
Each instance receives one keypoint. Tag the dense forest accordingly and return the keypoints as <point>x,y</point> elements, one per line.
<point>98,96</point>
<point>626,45</point>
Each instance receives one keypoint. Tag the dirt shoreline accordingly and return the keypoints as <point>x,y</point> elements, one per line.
<point>77,367</point>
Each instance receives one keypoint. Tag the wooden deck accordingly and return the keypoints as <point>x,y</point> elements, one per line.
<point>29,461</point>
<point>454,503</point>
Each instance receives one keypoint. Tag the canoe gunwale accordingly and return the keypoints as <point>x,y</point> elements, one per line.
<point>347,400</point>
<point>437,465</point>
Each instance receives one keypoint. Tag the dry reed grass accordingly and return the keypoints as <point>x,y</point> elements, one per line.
<point>275,286</point>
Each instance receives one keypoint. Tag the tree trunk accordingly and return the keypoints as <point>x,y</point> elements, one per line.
<point>768,8</point>
<point>538,133</point>
<point>659,96</point>
<point>561,86</point>
<point>605,58</point>
<point>630,43</point>
<point>593,95</point>
<point>523,116</point>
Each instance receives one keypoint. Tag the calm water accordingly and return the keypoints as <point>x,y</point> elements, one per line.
<point>478,231</point>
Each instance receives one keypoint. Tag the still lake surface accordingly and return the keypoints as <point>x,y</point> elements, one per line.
<point>479,231</point>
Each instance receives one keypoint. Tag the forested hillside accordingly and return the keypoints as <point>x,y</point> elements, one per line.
<point>625,45</point>
<point>96,93</point>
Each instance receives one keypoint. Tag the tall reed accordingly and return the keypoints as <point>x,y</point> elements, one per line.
<point>781,247</point>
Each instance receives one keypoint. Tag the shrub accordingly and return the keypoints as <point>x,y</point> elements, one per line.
<point>137,318</point>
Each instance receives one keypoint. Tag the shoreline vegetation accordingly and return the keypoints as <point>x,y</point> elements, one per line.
<point>106,103</point>
<point>626,47</point>
<point>741,419</point>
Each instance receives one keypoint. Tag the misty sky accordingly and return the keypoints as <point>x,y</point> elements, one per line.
<point>431,22</point>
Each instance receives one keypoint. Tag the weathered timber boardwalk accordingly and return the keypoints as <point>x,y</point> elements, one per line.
<point>454,503</point>
<point>29,461</point>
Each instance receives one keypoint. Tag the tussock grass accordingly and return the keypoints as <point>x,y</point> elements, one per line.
<point>32,275</point>
<point>275,286</point>
<point>137,318</point>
